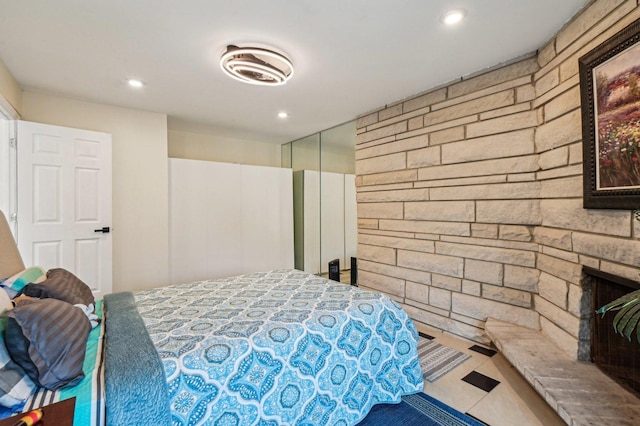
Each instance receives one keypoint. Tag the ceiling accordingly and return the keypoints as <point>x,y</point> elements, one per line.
<point>350,56</point>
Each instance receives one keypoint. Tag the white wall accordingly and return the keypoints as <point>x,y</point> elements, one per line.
<point>140,182</point>
<point>200,146</point>
<point>9,88</point>
<point>10,106</point>
<point>4,166</point>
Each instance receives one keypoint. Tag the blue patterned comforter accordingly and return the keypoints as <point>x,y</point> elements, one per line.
<point>280,347</point>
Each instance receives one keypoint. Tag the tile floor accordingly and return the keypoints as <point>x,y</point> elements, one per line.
<point>509,402</point>
<point>508,399</point>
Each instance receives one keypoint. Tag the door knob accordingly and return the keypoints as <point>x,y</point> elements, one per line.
<point>105,230</point>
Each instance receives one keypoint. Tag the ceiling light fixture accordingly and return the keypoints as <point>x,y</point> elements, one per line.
<point>135,83</point>
<point>283,114</point>
<point>453,17</point>
<point>254,65</point>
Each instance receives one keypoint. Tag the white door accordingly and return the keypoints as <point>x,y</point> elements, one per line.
<point>64,201</point>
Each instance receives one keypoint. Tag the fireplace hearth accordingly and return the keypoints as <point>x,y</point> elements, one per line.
<point>613,353</point>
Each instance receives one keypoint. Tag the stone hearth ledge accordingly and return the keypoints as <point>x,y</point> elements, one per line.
<point>578,391</point>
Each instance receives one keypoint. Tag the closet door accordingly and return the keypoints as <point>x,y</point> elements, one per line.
<point>267,218</point>
<point>228,219</point>
<point>204,220</point>
<point>332,219</point>
<point>312,221</point>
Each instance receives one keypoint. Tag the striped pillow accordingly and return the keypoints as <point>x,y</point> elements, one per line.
<point>62,285</point>
<point>15,385</point>
<point>48,338</point>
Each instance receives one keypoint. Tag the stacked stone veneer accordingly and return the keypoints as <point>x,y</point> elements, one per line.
<point>470,196</point>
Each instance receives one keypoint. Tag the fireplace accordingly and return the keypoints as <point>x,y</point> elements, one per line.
<point>614,354</point>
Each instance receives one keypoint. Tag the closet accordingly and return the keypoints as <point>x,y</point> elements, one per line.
<point>228,219</point>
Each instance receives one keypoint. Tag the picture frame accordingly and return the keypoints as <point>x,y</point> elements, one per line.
<point>610,98</point>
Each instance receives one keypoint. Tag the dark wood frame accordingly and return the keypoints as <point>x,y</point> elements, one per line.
<point>593,197</point>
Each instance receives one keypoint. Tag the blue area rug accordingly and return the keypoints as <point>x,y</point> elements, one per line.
<point>417,410</point>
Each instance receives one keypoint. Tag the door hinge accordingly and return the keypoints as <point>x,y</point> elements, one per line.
<point>13,217</point>
<point>12,143</point>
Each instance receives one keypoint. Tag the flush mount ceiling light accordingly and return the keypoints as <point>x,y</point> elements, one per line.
<point>255,65</point>
<point>452,17</point>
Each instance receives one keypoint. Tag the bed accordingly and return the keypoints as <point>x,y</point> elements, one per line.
<point>269,348</point>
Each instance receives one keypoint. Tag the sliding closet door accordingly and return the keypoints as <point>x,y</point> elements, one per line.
<point>331,219</point>
<point>204,219</point>
<point>267,218</point>
<point>228,219</point>
<point>311,221</point>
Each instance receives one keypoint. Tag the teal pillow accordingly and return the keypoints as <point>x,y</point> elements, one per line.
<point>17,282</point>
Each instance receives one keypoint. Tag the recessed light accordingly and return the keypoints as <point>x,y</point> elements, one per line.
<point>283,115</point>
<point>453,17</point>
<point>135,83</point>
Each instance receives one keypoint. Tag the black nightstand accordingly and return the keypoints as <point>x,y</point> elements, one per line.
<point>57,414</point>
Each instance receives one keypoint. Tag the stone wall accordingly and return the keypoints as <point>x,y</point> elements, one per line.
<point>470,195</point>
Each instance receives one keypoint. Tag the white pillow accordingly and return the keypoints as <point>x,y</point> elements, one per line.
<point>5,301</point>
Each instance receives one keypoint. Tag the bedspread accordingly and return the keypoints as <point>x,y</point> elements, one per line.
<point>136,391</point>
<point>280,347</point>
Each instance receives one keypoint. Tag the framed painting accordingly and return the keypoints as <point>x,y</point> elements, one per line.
<point>610,95</point>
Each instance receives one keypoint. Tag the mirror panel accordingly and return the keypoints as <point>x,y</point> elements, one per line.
<point>325,217</point>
